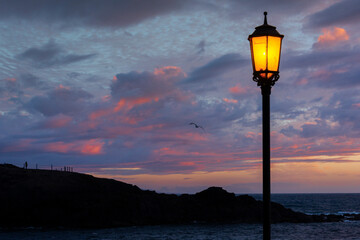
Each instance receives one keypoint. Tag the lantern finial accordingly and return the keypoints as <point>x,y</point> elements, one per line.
<point>265,20</point>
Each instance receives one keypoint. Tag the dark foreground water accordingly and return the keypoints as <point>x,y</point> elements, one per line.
<point>308,203</point>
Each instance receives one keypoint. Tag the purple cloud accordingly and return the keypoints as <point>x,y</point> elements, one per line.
<point>61,100</point>
<point>201,47</point>
<point>50,55</point>
<point>152,85</point>
<point>108,13</point>
<point>217,67</point>
<point>343,12</point>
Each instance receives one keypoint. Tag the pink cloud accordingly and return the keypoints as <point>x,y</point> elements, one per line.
<point>99,113</point>
<point>169,72</point>
<point>87,147</point>
<point>92,147</point>
<point>331,36</point>
<point>134,89</point>
<point>254,136</point>
<point>230,100</point>
<point>238,90</point>
<point>131,91</point>
<point>128,104</point>
<point>187,164</point>
<point>302,81</point>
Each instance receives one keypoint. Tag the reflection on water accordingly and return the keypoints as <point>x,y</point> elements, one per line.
<point>341,230</point>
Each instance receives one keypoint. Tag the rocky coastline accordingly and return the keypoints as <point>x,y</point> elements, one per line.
<point>57,199</point>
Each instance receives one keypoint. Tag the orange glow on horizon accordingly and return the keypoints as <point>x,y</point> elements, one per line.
<point>295,177</point>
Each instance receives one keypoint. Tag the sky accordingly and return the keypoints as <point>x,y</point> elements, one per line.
<point>109,88</point>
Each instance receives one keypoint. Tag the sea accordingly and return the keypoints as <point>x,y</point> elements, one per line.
<point>306,203</point>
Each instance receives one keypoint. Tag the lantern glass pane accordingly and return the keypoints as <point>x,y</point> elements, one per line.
<point>274,45</point>
<point>259,52</point>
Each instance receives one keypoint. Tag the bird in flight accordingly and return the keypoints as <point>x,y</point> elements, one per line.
<point>197,126</point>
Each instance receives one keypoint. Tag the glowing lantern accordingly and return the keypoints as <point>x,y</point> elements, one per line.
<point>265,44</point>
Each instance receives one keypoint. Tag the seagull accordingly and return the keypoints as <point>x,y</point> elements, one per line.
<point>197,126</point>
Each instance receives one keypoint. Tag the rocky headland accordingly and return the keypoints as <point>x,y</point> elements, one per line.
<point>45,198</point>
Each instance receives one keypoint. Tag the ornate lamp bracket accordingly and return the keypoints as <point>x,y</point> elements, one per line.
<point>265,83</point>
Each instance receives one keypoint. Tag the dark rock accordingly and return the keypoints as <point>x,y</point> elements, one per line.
<point>44,198</point>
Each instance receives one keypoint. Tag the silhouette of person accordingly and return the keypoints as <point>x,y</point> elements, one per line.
<point>26,165</point>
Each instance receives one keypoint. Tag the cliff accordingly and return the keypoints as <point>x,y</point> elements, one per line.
<point>47,198</point>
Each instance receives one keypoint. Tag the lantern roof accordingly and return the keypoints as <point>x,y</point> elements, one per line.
<point>265,30</point>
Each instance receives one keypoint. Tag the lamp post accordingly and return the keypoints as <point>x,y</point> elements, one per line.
<point>265,45</point>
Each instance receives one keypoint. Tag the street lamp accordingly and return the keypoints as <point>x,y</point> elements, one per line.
<point>265,45</point>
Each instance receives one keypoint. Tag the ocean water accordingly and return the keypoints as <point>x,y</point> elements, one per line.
<point>318,203</point>
<point>308,203</point>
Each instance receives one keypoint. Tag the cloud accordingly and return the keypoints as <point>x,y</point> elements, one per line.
<point>335,118</point>
<point>344,111</point>
<point>57,121</point>
<point>319,129</point>
<point>279,6</point>
<point>17,146</point>
<point>139,102</point>
<point>108,13</point>
<point>61,100</point>
<point>142,87</point>
<point>238,90</point>
<point>318,58</point>
<point>50,55</point>
<point>290,131</point>
<point>331,37</point>
<point>217,67</point>
<point>86,147</point>
<point>340,13</point>
<point>201,47</point>
<point>230,100</point>
<point>12,85</point>
<point>16,86</point>
<point>80,147</point>
<point>338,78</point>
<point>31,81</point>
<point>329,64</point>
<point>315,59</point>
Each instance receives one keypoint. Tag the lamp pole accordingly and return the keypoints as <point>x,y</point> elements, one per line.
<point>265,92</point>
<point>265,44</point>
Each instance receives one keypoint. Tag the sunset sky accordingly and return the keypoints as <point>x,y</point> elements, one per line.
<point>109,88</point>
